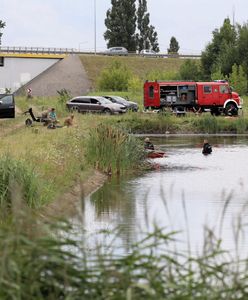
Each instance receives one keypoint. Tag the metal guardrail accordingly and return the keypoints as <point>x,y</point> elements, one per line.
<point>36,50</point>
<point>44,50</point>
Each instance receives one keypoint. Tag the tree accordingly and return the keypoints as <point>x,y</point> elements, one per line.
<point>174,46</point>
<point>221,52</point>
<point>238,79</point>
<point>243,47</point>
<point>147,38</point>
<point>2,25</point>
<point>121,24</point>
<point>190,71</point>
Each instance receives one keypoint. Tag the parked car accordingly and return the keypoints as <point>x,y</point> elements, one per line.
<point>116,51</point>
<point>133,106</point>
<point>7,106</point>
<point>94,104</point>
<point>147,52</point>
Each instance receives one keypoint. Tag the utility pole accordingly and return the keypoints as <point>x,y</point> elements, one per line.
<point>95,25</point>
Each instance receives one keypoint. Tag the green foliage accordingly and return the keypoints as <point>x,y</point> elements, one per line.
<point>121,24</point>
<point>17,172</point>
<point>114,78</point>
<point>220,52</point>
<point>162,75</point>
<point>2,25</point>
<point>38,265</point>
<point>238,79</point>
<point>243,47</point>
<point>64,95</point>
<point>217,75</point>
<point>135,84</point>
<point>190,71</point>
<point>174,46</point>
<point>147,37</point>
<point>111,150</point>
<point>207,124</point>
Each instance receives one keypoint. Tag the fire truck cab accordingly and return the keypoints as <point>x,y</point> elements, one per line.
<point>216,96</point>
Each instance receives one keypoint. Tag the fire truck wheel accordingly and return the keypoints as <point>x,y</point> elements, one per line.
<point>231,110</point>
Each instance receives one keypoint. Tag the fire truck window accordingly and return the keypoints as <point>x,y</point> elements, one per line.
<point>224,89</point>
<point>151,91</point>
<point>207,89</point>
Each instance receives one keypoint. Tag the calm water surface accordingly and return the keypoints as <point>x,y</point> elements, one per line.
<point>187,192</point>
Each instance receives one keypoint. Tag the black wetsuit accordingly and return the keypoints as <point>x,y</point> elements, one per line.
<point>207,149</point>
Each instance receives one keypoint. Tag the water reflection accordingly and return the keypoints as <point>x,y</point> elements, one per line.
<point>190,190</point>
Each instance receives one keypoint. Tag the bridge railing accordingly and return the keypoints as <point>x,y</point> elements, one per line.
<point>37,50</point>
<point>44,50</point>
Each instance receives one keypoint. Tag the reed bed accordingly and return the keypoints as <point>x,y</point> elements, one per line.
<point>13,171</point>
<point>111,150</point>
<point>46,262</point>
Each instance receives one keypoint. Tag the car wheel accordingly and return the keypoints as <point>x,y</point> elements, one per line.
<point>107,111</point>
<point>74,108</point>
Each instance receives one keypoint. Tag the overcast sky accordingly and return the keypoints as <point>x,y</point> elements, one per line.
<point>70,23</point>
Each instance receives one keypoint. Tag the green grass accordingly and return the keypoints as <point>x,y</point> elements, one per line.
<point>139,66</point>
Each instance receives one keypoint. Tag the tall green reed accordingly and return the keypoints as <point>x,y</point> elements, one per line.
<point>112,150</point>
<point>46,261</point>
<point>12,171</point>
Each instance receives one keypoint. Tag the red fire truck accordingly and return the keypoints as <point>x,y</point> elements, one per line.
<point>216,96</point>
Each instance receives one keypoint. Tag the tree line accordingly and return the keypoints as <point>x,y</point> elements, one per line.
<point>225,56</point>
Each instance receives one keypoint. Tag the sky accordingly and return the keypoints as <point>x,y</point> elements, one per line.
<point>71,23</point>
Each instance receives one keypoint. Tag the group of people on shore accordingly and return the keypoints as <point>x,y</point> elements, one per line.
<point>51,116</point>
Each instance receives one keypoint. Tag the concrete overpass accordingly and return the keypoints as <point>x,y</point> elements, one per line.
<point>44,70</point>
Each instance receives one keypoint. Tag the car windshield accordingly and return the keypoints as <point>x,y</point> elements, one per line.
<point>103,100</point>
<point>118,98</point>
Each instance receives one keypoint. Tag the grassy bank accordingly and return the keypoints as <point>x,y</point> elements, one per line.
<point>139,66</point>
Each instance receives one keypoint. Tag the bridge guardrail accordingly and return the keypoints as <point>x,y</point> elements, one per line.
<point>47,50</point>
<point>36,50</point>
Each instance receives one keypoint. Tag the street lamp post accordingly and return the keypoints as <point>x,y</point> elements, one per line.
<point>95,25</point>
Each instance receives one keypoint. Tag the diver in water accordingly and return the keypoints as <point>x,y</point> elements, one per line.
<point>207,148</point>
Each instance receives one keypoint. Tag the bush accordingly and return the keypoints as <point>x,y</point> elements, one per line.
<point>190,71</point>
<point>114,78</point>
<point>64,96</point>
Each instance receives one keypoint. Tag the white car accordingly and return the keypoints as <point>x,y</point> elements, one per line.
<point>147,52</point>
<point>116,51</point>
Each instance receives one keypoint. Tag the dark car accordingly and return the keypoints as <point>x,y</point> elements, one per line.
<point>7,106</point>
<point>133,106</point>
<point>95,104</point>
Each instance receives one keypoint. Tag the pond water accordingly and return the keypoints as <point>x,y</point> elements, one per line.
<point>186,191</point>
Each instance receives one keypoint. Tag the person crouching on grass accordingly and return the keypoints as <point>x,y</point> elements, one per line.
<point>69,121</point>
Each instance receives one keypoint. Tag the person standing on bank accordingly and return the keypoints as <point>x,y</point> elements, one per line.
<point>207,148</point>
